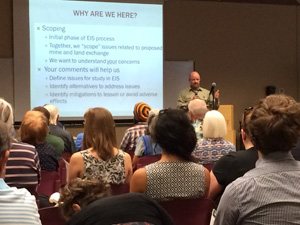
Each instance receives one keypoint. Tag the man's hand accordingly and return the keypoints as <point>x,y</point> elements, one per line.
<point>196,97</point>
<point>217,94</point>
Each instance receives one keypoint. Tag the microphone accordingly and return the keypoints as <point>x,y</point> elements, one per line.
<point>212,88</point>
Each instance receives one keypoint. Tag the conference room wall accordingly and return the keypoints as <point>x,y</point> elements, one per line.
<point>241,47</point>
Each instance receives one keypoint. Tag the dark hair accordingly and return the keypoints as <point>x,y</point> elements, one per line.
<point>42,110</point>
<point>246,120</point>
<point>82,192</point>
<point>99,132</point>
<point>275,124</point>
<point>175,134</point>
<point>5,138</point>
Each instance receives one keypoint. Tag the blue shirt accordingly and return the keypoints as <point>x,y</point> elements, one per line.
<point>17,206</point>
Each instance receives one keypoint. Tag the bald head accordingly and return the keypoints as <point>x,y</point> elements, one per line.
<point>194,80</point>
<point>197,109</point>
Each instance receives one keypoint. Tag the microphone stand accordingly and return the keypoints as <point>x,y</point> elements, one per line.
<point>213,98</point>
<point>213,103</point>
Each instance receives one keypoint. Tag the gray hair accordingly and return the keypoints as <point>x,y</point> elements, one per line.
<point>152,118</point>
<point>5,139</point>
<point>197,108</point>
<point>214,125</point>
<point>54,113</point>
<point>6,114</point>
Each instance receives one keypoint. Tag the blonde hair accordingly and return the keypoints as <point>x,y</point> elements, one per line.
<point>6,114</point>
<point>214,125</point>
<point>54,113</point>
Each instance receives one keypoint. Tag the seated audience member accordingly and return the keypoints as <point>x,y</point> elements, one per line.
<point>53,140</point>
<point>18,206</point>
<point>146,144</point>
<point>69,145</point>
<point>269,193</point>
<point>234,164</point>
<point>23,166</point>
<point>86,202</point>
<point>33,130</point>
<point>132,134</point>
<point>175,175</point>
<point>78,193</point>
<point>213,146</point>
<point>197,110</point>
<point>78,141</point>
<point>101,159</point>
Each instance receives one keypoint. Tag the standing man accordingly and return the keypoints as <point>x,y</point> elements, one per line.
<point>269,193</point>
<point>197,92</point>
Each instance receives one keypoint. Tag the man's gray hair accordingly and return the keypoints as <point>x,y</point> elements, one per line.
<point>197,108</point>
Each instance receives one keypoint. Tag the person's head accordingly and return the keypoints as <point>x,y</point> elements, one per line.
<point>275,124</point>
<point>99,132</point>
<point>6,114</point>
<point>175,134</point>
<point>44,111</point>
<point>54,113</point>
<point>197,109</point>
<point>34,128</point>
<point>5,141</point>
<point>194,80</point>
<point>79,193</point>
<point>214,125</point>
<point>140,112</point>
<point>151,121</point>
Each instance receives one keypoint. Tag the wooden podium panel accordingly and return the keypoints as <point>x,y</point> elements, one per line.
<point>228,113</point>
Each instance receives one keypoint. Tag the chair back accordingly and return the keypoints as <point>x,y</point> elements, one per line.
<point>50,183</point>
<point>189,211</point>
<point>146,160</point>
<point>63,169</point>
<point>119,189</point>
<point>209,166</point>
<point>51,216</point>
<point>66,156</point>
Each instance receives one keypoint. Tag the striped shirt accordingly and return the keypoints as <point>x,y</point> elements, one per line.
<point>17,206</point>
<point>23,166</point>
<point>131,137</point>
<point>268,194</point>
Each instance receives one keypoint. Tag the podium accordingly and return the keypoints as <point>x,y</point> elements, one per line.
<point>228,113</point>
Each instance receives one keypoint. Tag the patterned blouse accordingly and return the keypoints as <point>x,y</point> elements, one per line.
<point>111,171</point>
<point>175,180</point>
<point>211,150</point>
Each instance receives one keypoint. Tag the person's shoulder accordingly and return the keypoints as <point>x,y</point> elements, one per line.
<point>80,135</point>
<point>53,138</point>
<point>138,126</point>
<point>22,193</point>
<point>22,146</point>
<point>17,144</point>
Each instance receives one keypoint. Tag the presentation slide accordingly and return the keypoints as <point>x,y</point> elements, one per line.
<point>95,54</point>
